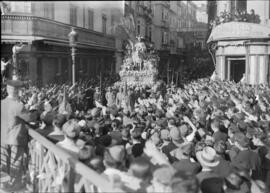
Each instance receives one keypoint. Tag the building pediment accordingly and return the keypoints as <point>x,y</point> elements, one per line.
<point>239,31</point>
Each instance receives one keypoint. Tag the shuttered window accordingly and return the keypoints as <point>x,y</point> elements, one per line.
<point>73,15</point>
<point>90,19</point>
<point>104,23</point>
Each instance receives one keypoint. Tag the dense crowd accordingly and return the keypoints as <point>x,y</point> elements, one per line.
<point>207,136</point>
<point>239,16</point>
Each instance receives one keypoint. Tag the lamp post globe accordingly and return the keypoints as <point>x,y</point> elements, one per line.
<point>73,37</point>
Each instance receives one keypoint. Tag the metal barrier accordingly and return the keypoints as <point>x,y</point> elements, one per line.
<point>52,169</point>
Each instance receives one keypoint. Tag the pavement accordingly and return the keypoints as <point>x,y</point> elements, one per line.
<point>17,188</point>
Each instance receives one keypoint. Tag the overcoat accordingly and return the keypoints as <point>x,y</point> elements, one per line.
<point>13,129</point>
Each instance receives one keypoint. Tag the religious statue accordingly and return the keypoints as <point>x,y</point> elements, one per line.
<point>139,64</point>
<point>139,53</point>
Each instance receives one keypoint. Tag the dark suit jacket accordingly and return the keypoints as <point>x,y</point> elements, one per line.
<point>186,165</point>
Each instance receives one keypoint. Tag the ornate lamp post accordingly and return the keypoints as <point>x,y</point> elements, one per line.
<point>73,38</point>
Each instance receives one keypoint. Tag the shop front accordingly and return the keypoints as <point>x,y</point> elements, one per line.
<point>240,50</point>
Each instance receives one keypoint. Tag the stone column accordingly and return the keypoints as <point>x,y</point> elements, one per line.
<point>252,74</point>
<point>262,70</point>
<point>222,67</point>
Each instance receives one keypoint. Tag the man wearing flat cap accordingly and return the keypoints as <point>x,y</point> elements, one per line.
<point>14,135</point>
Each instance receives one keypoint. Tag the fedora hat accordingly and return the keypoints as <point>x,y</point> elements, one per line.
<point>207,157</point>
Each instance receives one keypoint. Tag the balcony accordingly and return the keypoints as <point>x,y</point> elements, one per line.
<point>238,17</point>
<point>36,28</point>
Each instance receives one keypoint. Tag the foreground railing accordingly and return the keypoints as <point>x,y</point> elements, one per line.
<point>54,170</point>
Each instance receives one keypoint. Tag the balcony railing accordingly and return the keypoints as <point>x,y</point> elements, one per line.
<point>54,170</point>
<point>14,25</point>
<point>226,17</point>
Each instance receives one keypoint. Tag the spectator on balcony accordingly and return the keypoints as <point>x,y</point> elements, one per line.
<point>244,16</point>
<point>237,16</point>
<point>252,16</point>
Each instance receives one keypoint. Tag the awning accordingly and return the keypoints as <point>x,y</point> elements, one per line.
<point>239,31</point>
<point>79,45</point>
<point>57,42</point>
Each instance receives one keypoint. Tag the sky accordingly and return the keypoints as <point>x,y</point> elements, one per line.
<point>103,4</point>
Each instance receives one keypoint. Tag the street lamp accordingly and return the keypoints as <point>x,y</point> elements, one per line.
<point>73,38</point>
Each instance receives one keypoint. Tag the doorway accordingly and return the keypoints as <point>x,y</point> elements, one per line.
<point>236,68</point>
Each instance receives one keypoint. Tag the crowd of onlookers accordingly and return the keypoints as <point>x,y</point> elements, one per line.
<point>207,136</point>
<point>239,16</point>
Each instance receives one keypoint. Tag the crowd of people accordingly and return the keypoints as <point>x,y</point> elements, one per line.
<point>207,136</point>
<point>239,16</point>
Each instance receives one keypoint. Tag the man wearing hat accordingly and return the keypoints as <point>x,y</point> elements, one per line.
<point>246,158</point>
<point>185,162</point>
<point>14,134</point>
<point>208,160</point>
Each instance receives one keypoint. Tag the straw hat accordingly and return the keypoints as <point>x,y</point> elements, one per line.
<point>207,157</point>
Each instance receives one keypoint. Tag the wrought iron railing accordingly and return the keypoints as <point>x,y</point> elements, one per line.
<point>52,169</point>
<point>21,25</point>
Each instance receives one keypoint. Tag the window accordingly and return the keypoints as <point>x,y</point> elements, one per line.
<point>22,7</point>
<point>46,10</point>
<point>84,25</point>
<point>165,15</point>
<point>162,14</point>
<point>90,19</point>
<point>104,21</point>
<point>165,38</point>
<point>49,10</point>
<point>73,15</point>
<point>138,27</point>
